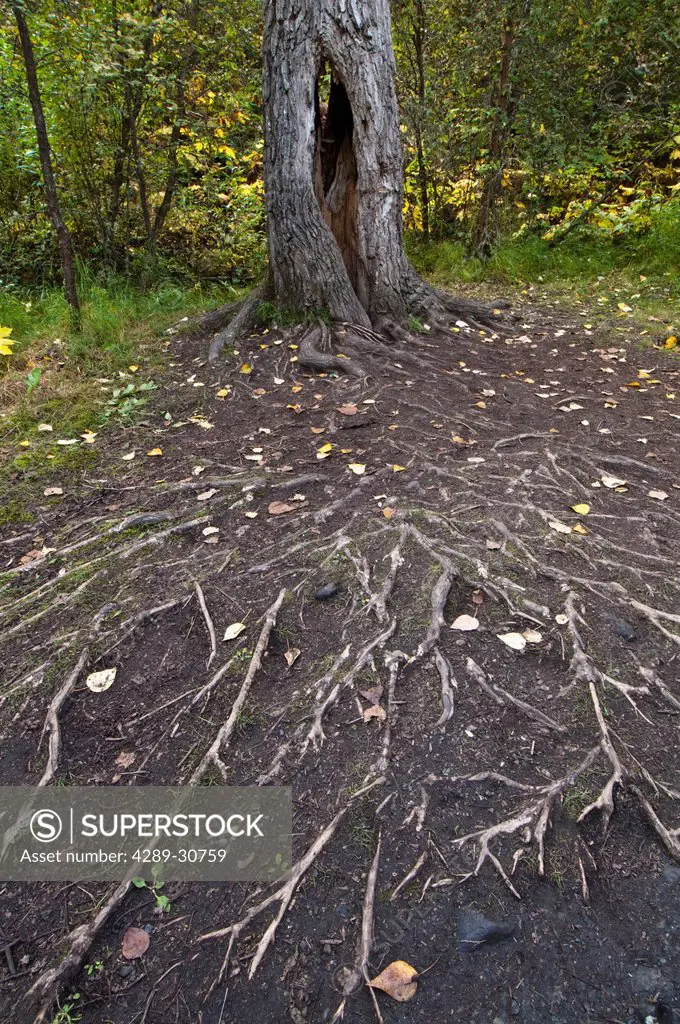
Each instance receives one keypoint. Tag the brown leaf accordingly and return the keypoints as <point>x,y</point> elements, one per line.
<point>375,711</point>
<point>348,410</point>
<point>373,694</point>
<point>279,508</point>
<point>292,655</point>
<point>126,759</point>
<point>135,943</point>
<point>30,556</point>
<point>398,980</point>
<point>477,597</point>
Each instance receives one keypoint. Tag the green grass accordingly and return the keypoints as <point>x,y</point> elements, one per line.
<point>78,381</point>
<point>642,271</point>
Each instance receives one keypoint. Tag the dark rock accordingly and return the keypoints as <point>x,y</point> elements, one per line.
<point>325,593</point>
<point>125,970</point>
<point>148,928</point>
<point>621,627</point>
<point>474,930</point>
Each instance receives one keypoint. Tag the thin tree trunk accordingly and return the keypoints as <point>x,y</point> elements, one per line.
<point>419,35</point>
<point>500,127</point>
<point>53,206</point>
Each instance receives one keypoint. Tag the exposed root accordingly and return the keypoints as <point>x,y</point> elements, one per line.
<point>410,875</point>
<point>212,755</point>
<point>669,839</point>
<point>239,324</point>
<point>51,728</point>
<point>448,682</point>
<point>605,801</point>
<point>378,601</point>
<point>209,625</point>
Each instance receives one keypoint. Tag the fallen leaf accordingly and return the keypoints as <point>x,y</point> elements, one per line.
<point>624,307</point>
<point>49,491</point>
<point>572,407</point>
<point>133,368</point>
<point>561,619</point>
<point>671,342</point>
<point>466,623</point>
<point>399,979</point>
<point>210,531</point>
<point>250,515</point>
<point>318,430</point>
<point>206,495</point>
<point>135,943</point>
<point>100,681</point>
<point>659,495</point>
<point>493,545</point>
<point>388,512</point>
<point>155,451</point>
<point>457,439</point>
<point>372,694</point>
<point>197,470</point>
<point>325,449</point>
<point>347,410</point>
<point>558,527</point>
<point>532,636</point>
<point>246,368</point>
<point>66,441</point>
<point>358,468</point>
<point>579,528</point>
<point>223,392</point>
<point>292,655</point>
<point>279,508</point>
<point>582,510</point>
<point>128,457</point>
<point>398,469</point>
<point>514,640</point>
<point>126,759</point>
<point>234,630</point>
<point>45,428</point>
<point>612,481</point>
<point>375,711</point>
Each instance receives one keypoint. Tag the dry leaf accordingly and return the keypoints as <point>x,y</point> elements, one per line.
<point>292,655</point>
<point>671,342</point>
<point>210,531</point>
<point>461,440</point>
<point>582,510</point>
<point>388,512</point>
<point>318,430</point>
<point>135,943</point>
<point>246,368</point>
<point>155,451</point>
<point>49,491</point>
<point>572,407</point>
<point>348,410</point>
<point>206,495</point>
<point>325,449</point>
<point>279,508</point>
<point>234,630</point>
<point>579,528</point>
<point>126,759</point>
<point>532,636</point>
<point>373,694</point>
<point>128,457</point>
<point>250,515</point>
<point>493,545</point>
<point>466,623</point>
<point>375,711</point>
<point>558,527</point>
<point>223,392</point>
<point>561,619</point>
<point>358,468</point>
<point>612,481</point>
<point>399,980</point>
<point>514,640</point>
<point>45,428</point>
<point>659,495</point>
<point>398,469</point>
<point>100,681</point>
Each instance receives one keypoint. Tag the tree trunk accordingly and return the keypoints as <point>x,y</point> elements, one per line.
<point>333,175</point>
<point>54,209</point>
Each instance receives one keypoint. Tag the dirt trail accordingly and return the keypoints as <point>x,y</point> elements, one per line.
<point>537,786</point>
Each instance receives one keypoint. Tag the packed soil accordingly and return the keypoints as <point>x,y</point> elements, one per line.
<point>535,784</point>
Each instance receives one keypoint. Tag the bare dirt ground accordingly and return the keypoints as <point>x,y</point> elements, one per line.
<point>437,773</point>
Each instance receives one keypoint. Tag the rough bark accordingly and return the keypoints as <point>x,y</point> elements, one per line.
<point>333,176</point>
<point>51,195</point>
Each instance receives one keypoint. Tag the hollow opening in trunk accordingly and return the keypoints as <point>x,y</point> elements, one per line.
<point>336,165</point>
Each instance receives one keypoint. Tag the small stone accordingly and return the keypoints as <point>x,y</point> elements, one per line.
<point>326,592</point>
<point>474,930</point>
<point>624,630</point>
<point>125,970</point>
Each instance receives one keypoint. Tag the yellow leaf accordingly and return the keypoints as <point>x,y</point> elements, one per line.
<point>398,469</point>
<point>155,451</point>
<point>579,528</point>
<point>398,980</point>
<point>388,512</point>
<point>624,308</point>
<point>6,348</point>
<point>223,392</point>
<point>325,449</point>
<point>358,468</point>
<point>133,368</point>
<point>246,368</point>
<point>582,510</point>
<point>24,444</point>
<point>5,333</point>
<point>671,342</point>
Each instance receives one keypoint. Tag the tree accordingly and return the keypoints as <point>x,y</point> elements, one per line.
<point>51,195</point>
<point>333,179</point>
